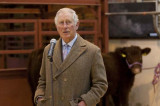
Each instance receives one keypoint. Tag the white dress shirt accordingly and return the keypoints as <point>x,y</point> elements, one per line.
<point>66,47</point>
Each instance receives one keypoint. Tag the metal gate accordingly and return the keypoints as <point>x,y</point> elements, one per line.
<point>19,37</point>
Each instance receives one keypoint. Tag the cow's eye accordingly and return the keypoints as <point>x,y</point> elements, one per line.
<point>129,61</point>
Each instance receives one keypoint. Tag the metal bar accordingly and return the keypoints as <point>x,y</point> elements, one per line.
<point>51,20</point>
<point>17,20</point>
<point>133,13</point>
<point>88,21</point>
<point>17,11</point>
<point>56,33</point>
<point>51,79</point>
<point>87,32</point>
<point>95,34</point>
<point>62,2</point>
<point>25,33</point>
<point>40,33</point>
<point>13,72</point>
<point>15,51</point>
<point>105,28</point>
<point>49,32</point>
<point>99,27</point>
<point>46,20</point>
<point>36,35</point>
<point>13,69</point>
<point>156,25</point>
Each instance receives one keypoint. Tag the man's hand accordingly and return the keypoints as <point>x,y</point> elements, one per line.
<point>39,98</point>
<point>82,103</point>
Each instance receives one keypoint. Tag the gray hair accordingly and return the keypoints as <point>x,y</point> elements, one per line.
<point>75,16</point>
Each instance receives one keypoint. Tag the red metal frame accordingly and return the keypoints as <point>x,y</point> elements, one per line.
<point>20,33</point>
<point>63,2</point>
<point>39,33</point>
<point>105,27</point>
<point>17,11</point>
<point>99,39</point>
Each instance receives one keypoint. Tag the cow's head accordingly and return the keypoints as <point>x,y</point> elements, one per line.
<point>133,56</point>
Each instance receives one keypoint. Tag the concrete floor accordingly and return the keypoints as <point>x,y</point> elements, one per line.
<point>143,93</point>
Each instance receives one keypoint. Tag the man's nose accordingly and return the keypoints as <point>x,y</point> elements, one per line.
<point>65,24</point>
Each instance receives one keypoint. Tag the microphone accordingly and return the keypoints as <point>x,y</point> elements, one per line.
<point>52,45</point>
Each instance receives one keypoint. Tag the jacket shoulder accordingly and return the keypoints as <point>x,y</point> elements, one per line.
<point>91,45</point>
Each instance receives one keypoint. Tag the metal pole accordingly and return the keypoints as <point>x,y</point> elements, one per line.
<point>133,13</point>
<point>105,28</point>
<point>153,13</point>
<point>156,25</point>
<point>51,65</point>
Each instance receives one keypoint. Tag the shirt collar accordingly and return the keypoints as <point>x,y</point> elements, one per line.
<point>71,42</point>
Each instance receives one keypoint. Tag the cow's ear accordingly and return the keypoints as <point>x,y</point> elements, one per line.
<point>121,51</point>
<point>146,51</point>
<point>123,55</point>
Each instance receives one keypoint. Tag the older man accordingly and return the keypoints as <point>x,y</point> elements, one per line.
<point>79,77</point>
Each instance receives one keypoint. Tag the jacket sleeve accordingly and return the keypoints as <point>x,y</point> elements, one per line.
<point>99,81</point>
<point>42,80</point>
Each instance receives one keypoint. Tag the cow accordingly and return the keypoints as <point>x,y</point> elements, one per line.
<point>34,64</point>
<point>121,67</point>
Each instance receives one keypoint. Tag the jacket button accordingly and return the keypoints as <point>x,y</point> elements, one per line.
<point>54,78</point>
<point>65,79</point>
<point>62,98</point>
<point>50,97</point>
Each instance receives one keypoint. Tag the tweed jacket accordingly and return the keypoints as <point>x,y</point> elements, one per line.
<point>80,76</point>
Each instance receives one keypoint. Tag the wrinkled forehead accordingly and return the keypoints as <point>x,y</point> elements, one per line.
<point>65,15</point>
<point>65,11</point>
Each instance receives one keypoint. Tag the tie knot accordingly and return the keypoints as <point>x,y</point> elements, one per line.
<point>66,45</point>
<point>65,50</point>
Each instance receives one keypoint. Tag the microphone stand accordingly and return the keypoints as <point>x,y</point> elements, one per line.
<point>51,67</point>
<point>50,54</point>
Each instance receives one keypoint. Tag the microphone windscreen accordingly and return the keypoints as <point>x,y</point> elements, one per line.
<point>53,40</point>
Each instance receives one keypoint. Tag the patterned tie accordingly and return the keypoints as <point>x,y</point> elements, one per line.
<point>65,51</point>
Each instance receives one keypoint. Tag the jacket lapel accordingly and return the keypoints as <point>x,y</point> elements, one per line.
<point>78,48</point>
<point>57,56</point>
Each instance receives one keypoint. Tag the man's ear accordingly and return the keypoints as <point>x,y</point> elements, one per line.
<point>56,26</point>
<point>77,25</point>
<point>146,51</point>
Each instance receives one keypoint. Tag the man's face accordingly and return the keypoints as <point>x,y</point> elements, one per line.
<point>66,26</point>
